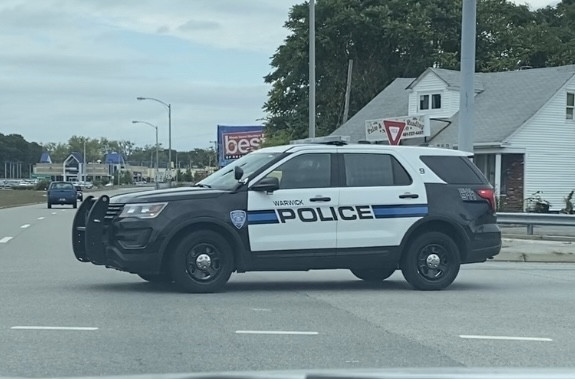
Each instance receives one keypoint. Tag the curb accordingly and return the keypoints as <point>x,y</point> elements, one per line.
<point>539,237</point>
<point>536,250</point>
<point>517,256</point>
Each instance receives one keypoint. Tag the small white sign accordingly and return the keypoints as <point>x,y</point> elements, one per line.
<point>388,128</point>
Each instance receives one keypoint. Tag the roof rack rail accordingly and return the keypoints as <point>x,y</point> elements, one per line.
<point>327,140</point>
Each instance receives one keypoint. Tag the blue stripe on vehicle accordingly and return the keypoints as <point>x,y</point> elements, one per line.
<point>262,217</point>
<point>390,211</point>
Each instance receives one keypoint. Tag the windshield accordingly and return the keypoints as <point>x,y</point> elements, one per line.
<point>224,178</point>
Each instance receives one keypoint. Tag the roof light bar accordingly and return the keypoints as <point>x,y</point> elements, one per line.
<point>327,140</point>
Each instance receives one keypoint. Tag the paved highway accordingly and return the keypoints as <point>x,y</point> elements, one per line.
<point>60,317</point>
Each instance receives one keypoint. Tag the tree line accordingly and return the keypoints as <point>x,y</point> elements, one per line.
<point>17,155</point>
<point>387,39</point>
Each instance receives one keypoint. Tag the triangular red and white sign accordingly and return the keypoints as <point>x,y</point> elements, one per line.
<point>394,130</point>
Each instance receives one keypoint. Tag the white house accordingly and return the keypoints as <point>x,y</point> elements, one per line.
<point>524,126</point>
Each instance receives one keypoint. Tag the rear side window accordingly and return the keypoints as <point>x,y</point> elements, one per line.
<point>454,169</point>
<point>374,170</point>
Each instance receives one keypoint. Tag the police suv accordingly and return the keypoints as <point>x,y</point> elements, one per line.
<point>371,209</point>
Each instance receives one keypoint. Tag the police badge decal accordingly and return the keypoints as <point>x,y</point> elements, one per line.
<point>238,218</point>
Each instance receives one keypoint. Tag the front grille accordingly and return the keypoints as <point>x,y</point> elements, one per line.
<point>114,209</point>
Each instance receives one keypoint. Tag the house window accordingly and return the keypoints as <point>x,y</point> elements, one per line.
<point>570,105</point>
<point>423,102</point>
<point>435,101</point>
<point>430,101</point>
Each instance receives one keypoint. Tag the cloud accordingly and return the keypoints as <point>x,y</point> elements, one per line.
<point>195,25</point>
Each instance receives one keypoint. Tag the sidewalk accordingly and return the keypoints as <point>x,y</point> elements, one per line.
<point>534,250</point>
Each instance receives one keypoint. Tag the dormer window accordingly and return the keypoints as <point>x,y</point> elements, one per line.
<point>430,101</point>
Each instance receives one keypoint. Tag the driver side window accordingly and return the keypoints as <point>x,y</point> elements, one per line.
<point>304,171</point>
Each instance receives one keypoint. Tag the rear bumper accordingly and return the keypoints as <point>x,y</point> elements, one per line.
<point>484,246</point>
<point>63,200</point>
<point>131,246</point>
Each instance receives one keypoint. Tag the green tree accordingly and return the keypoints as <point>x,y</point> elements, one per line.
<point>387,39</point>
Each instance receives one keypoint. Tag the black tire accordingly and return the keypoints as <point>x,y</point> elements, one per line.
<point>75,205</point>
<point>373,275</point>
<point>431,262</point>
<point>49,205</point>
<point>214,251</point>
<point>159,278</point>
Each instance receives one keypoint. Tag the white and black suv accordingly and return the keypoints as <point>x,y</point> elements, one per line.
<point>371,209</point>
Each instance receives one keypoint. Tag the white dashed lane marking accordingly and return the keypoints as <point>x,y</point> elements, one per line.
<point>81,328</point>
<point>5,239</point>
<point>25,226</point>
<point>506,338</point>
<point>277,332</point>
<point>41,218</point>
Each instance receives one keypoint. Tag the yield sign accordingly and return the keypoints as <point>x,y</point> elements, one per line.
<point>394,130</point>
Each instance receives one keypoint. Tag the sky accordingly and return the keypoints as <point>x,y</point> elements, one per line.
<point>76,67</point>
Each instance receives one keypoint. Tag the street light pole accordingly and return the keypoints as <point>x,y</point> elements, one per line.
<point>311,132</point>
<point>157,185</point>
<point>169,106</point>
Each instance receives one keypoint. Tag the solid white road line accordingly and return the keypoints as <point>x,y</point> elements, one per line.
<point>25,226</point>
<point>277,332</point>
<point>506,338</point>
<point>41,218</point>
<point>52,328</point>
<point>5,239</point>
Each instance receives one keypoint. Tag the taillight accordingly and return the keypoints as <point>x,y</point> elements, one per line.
<point>489,195</point>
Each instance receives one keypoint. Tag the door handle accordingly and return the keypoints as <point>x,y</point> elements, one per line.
<point>319,198</point>
<point>409,196</point>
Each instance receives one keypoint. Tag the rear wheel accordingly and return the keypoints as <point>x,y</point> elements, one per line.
<point>158,278</point>
<point>202,262</point>
<point>431,262</point>
<point>49,205</point>
<point>75,205</point>
<point>373,275</point>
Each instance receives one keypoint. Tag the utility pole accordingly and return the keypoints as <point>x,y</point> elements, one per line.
<point>347,91</point>
<point>311,68</point>
<point>84,163</point>
<point>467,89</point>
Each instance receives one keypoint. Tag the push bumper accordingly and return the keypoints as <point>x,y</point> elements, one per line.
<point>96,238</point>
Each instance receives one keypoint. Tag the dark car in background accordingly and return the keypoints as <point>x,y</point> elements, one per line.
<point>62,193</point>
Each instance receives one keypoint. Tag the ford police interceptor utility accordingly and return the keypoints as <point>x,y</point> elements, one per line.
<point>371,209</point>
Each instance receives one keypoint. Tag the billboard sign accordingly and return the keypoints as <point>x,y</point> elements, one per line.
<point>236,141</point>
<point>395,129</point>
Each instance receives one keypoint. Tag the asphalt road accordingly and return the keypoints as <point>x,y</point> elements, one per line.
<point>496,314</point>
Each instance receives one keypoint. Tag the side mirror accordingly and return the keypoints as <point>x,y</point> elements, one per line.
<point>269,184</point>
<point>238,172</point>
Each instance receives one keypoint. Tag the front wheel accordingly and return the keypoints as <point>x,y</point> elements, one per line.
<point>202,262</point>
<point>75,205</point>
<point>431,262</point>
<point>373,275</point>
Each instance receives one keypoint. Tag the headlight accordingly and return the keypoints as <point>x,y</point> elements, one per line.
<point>147,210</point>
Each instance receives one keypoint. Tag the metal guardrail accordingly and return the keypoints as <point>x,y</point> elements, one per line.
<point>532,219</point>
